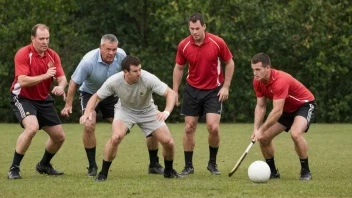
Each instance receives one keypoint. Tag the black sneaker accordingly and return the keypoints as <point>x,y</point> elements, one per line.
<point>92,171</point>
<point>187,170</point>
<point>157,169</point>
<point>101,177</point>
<point>275,175</point>
<point>213,168</point>
<point>305,175</point>
<point>14,173</point>
<point>172,174</point>
<point>47,170</point>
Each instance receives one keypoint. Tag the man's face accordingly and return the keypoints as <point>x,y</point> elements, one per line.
<point>197,31</point>
<point>108,51</point>
<point>134,74</point>
<point>41,40</point>
<point>261,73</point>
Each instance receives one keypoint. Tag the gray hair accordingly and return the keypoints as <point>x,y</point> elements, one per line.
<point>110,37</point>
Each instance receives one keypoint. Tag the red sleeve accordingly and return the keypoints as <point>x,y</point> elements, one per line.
<point>180,58</point>
<point>258,91</point>
<point>225,53</point>
<point>22,62</point>
<point>280,89</point>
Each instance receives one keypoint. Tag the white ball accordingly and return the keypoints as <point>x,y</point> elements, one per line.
<point>259,172</point>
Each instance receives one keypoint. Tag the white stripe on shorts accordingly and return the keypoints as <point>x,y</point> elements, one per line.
<point>19,106</point>
<point>310,111</point>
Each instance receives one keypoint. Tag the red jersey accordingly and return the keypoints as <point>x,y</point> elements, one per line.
<point>283,86</point>
<point>28,62</point>
<point>204,61</point>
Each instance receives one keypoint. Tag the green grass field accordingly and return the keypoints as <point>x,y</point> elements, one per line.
<point>330,157</point>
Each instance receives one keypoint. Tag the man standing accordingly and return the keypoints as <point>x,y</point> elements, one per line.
<point>135,87</point>
<point>95,67</point>
<point>293,109</point>
<point>36,65</point>
<point>205,89</point>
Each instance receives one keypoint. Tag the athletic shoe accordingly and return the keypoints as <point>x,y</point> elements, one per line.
<point>101,177</point>
<point>92,171</point>
<point>48,169</point>
<point>187,170</point>
<point>172,174</point>
<point>275,175</point>
<point>213,168</point>
<point>305,175</point>
<point>157,169</point>
<point>14,173</point>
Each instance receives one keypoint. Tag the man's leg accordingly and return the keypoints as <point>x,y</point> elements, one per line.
<point>89,142</point>
<point>191,123</point>
<point>54,143</point>
<point>31,126</point>
<point>153,147</point>
<point>119,130</point>
<point>163,135</point>
<point>297,130</point>
<point>213,122</point>
<point>267,147</point>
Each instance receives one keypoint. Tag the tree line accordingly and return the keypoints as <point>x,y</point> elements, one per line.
<point>309,39</point>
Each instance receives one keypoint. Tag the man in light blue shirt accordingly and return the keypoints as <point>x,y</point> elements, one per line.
<point>93,70</point>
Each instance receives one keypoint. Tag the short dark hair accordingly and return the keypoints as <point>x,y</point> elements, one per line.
<point>128,61</point>
<point>261,57</point>
<point>35,28</point>
<point>196,17</point>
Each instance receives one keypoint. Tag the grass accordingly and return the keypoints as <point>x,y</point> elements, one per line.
<point>329,156</point>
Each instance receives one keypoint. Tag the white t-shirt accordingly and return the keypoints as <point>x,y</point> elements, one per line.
<point>137,96</point>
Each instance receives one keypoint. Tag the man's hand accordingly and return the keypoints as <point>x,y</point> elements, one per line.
<point>58,91</point>
<point>51,72</point>
<point>223,94</point>
<point>85,117</point>
<point>177,103</point>
<point>162,116</point>
<point>257,135</point>
<point>66,111</point>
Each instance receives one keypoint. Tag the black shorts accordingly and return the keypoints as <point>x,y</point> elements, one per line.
<point>307,111</point>
<point>44,110</point>
<point>197,102</point>
<point>106,106</point>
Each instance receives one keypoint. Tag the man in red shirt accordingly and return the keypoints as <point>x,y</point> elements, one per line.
<point>293,109</point>
<point>206,87</point>
<point>36,66</point>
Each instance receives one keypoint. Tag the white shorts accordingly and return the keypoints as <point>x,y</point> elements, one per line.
<point>145,119</point>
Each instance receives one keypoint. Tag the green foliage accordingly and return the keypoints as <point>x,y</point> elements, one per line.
<point>310,39</point>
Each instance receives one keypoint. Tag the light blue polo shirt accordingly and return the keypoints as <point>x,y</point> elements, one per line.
<point>92,72</point>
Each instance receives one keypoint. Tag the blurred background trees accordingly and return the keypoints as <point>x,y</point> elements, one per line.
<point>309,39</point>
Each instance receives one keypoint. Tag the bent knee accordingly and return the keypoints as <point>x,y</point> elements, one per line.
<point>213,128</point>
<point>31,130</point>
<point>116,139</point>
<point>190,128</point>
<point>265,141</point>
<point>89,127</point>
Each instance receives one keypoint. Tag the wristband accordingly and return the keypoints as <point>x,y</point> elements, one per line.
<point>167,113</point>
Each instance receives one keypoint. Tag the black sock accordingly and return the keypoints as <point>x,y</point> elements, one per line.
<point>188,158</point>
<point>91,156</point>
<point>304,164</point>
<point>105,168</point>
<point>168,165</point>
<point>17,158</point>
<point>271,163</point>
<point>212,153</point>
<point>46,158</point>
<point>153,157</point>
